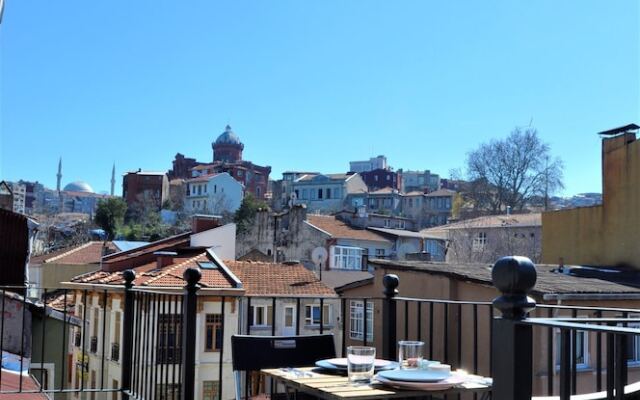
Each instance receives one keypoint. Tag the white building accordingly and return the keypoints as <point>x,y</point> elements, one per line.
<point>19,197</point>
<point>213,194</point>
<point>326,193</point>
<point>379,162</point>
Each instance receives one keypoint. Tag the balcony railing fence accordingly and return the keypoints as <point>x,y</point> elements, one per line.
<point>158,341</point>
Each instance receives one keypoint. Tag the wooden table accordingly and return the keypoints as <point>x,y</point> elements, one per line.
<point>336,387</point>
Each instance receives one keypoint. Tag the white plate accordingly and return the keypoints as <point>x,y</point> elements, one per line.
<point>448,383</point>
<point>414,375</point>
<point>342,363</point>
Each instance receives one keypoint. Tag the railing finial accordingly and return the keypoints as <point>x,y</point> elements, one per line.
<point>129,276</point>
<point>514,277</point>
<point>390,283</point>
<point>192,276</point>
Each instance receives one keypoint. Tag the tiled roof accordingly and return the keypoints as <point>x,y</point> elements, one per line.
<point>341,230</point>
<point>168,276</point>
<point>490,221</point>
<point>87,253</point>
<point>334,177</point>
<point>441,192</point>
<point>335,279</point>
<point>202,178</point>
<point>271,279</point>
<point>547,282</point>
<point>59,302</point>
<point>11,383</point>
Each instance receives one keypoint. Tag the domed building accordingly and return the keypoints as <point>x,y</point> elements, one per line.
<point>78,186</point>
<point>227,147</point>
<point>227,157</point>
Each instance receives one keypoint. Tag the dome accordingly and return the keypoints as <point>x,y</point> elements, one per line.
<point>78,186</point>
<point>228,137</point>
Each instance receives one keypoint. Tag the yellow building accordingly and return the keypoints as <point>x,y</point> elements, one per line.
<point>608,234</point>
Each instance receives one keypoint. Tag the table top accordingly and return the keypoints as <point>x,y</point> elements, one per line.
<point>336,387</point>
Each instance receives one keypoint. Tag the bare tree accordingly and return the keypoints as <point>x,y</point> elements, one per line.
<point>513,171</point>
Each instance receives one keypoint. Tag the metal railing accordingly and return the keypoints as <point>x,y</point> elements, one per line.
<point>159,345</point>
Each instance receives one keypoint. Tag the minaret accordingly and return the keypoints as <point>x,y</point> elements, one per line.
<point>113,178</point>
<point>59,176</point>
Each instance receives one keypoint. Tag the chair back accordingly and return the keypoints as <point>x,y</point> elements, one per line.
<point>253,353</point>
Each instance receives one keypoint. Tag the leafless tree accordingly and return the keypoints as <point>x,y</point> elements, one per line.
<point>513,171</point>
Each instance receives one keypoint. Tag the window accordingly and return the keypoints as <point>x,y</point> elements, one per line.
<point>387,223</point>
<point>213,332</point>
<point>215,188</point>
<point>115,345</point>
<point>379,252</point>
<point>312,314</point>
<point>582,348</point>
<point>375,178</point>
<point>633,345</point>
<point>328,190</point>
<point>205,188</point>
<point>319,193</point>
<point>258,191</point>
<point>261,315</point>
<point>169,347</point>
<point>480,241</point>
<point>304,193</point>
<point>410,202</point>
<point>199,189</point>
<point>239,172</point>
<point>388,177</point>
<point>357,320</point>
<point>168,391</point>
<point>210,390</point>
<point>347,257</point>
<point>401,224</point>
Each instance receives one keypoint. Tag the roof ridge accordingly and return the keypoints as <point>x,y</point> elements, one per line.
<point>172,268</point>
<point>71,251</point>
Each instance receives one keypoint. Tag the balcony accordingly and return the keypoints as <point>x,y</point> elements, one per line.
<point>529,349</point>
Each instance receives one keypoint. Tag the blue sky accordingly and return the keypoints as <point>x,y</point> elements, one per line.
<point>309,85</point>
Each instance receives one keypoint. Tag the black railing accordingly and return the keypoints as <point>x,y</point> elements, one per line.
<point>530,355</point>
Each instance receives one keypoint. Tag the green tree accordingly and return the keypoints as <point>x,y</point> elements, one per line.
<point>246,214</point>
<point>110,215</point>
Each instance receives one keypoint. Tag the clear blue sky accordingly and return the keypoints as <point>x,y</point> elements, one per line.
<point>309,85</point>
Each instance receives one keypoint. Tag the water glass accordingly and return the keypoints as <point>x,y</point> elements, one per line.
<point>410,354</point>
<point>360,363</point>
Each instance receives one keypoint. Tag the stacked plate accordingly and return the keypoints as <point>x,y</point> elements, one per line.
<point>420,379</point>
<point>340,364</point>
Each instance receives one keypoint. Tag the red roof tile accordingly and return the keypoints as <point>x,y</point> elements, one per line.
<point>11,382</point>
<point>271,279</point>
<point>87,253</point>
<point>341,230</point>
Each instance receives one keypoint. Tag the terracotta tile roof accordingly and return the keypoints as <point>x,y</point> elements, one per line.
<point>341,230</point>
<point>168,276</point>
<point>11,382</point>
<point>59,302</point>
<point>271,279</point>
<point>87,253</point>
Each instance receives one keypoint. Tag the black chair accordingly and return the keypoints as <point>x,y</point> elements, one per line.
<point>253,353</point>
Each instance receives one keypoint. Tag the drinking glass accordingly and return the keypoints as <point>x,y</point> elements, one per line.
<point>410,354</point>
<point>360,362</point>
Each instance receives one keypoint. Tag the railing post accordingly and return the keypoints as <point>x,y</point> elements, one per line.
<point>127,332</point>
<point>390,282</point>
<point>189,312</point>
<point>512,342</point>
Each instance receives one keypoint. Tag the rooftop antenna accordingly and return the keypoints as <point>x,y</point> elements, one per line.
<point>319,255</point>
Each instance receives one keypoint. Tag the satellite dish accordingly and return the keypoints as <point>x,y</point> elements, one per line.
<point>319,255</point>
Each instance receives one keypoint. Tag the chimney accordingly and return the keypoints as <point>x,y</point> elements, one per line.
<point>164,258</point>
<point>201,223</point>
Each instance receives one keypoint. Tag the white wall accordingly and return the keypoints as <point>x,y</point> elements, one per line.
<point>222,240</point>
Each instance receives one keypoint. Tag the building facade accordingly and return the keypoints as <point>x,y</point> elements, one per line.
<point>381,178</point>
<point>145,187</point>
<point>327,193</point>
<point>379,162</point>
<point>213,194</point>
<point>421,181</point>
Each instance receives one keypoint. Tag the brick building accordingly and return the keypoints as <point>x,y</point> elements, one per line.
<point>227,157</point>
<point>381,178</point>
<point>144,186</point>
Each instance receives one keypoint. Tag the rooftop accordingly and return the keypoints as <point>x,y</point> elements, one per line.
<point>490,221</point>
<point>547,283</point>
<point>272,279</point>
<point>87,253</point>
<point>441,192</point>
<point>340,230</point>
